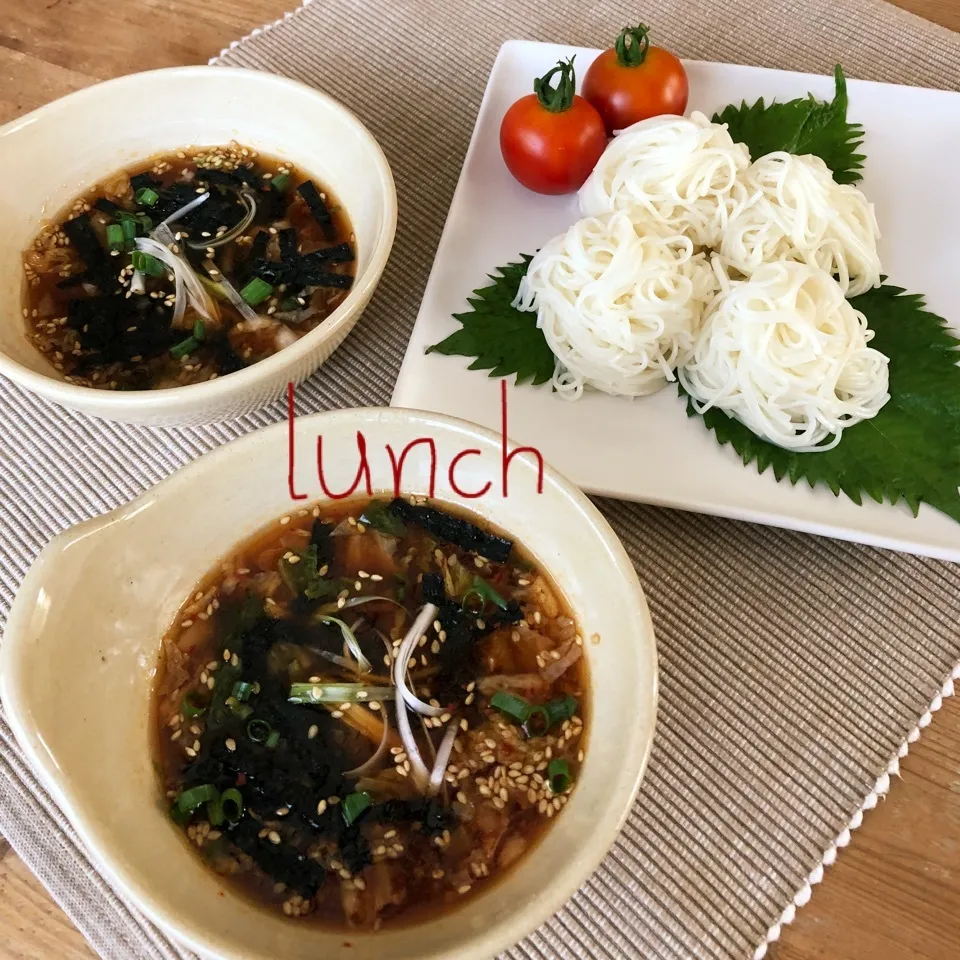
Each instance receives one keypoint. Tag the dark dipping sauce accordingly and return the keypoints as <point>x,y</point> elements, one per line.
<point>265,258</point>
<point>263,777</point>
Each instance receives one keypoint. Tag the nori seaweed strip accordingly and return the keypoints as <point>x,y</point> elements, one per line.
<point>287,239</point>
<point>73,281</point>
<point>459,532</point>
<point>340,281</point>
<point>432,816</point>
<point>258,249</point>
<point>311,197</point>
<point>82,235</point>
<point>282,862</point>
<point>224,178</point>
<point>107,206</point>
<point>341,253</point>
<point>320,538</point>
<point>141,180</point>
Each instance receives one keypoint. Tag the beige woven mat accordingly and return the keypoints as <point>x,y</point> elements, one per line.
<point>793,668</point>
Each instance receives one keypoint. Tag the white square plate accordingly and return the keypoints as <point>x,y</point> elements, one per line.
<point>649,450</point>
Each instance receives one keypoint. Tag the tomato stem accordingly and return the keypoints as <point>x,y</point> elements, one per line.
<point>632,46</point>
<point>559,98</point>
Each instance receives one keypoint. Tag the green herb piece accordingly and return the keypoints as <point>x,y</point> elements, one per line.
<point>189,706</point>
<point>256,291</point>
<point>482,590</point>
<point>231,803</point>
<point>375,514</point>
<point>146,196</point>
<point>191,799</point>
<point>272,740</point>
<point>353,805</point>
<point>241,690</point>
<point>259,731</point>
<point>280,181</point>
<point>558,775</point>
<point>501,338</point>
<point>115,238</point>
<point>802,126</point>
<point>178,816</point>
<point>290,303</point>
<point>910,451</point>
<point>184,347</point>
<point>513,706</point>
<point>303,577</point>
<point>198,328</point>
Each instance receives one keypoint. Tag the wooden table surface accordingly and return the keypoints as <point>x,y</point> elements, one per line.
<point>894,893</point>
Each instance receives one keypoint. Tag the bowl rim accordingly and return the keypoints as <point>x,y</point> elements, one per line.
<point>528,916</point>
<point>176,399</point>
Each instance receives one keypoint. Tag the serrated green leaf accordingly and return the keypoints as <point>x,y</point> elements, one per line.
<point>801,126</point>
<point>500,338</point>
<point>911,449</point>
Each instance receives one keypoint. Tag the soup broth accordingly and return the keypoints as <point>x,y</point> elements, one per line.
<point>283,751</point>
<point>184,268</point>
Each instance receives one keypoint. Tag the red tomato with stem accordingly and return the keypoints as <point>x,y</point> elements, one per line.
<point>634,81</point>
<point>552,139</point>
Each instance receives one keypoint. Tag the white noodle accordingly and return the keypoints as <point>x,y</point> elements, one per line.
<point>684,174</point>
<point>619,308</point>
<point>787,355</point>
<point>798,212</point>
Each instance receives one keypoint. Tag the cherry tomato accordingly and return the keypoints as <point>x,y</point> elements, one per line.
<point>633,81</point>
<point>552,139</point>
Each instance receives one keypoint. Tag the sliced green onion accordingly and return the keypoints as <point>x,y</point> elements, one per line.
<point>353,805</point>
<point>184,347</point>
<point>146,196</point>
<point>189,800</point>
<point>189,708</point>
<point>146,224</point>
<point>290,303</point>
<point>178,816</point>
<point>241,710</point>
<point>242,690</point>
<point>259,731</point>
<point>339,693</point>
<point>558,775</point>
<point>256,291</point>
<point>128,224</point>
<point>561,709</point>
<point>115,237</point>
<point>146,263</point>
<point>350,639</point>
<point>272,740</point>
<point>231,803</point>
<point>513,706</point>
<point>480,588</point>
<point>280,181</point>
<point>539,728</point>
<point>198,329</point>
<point>215,812</point>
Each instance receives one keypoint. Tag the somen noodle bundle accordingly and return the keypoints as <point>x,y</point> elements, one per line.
<point>620,307</point>
<point>797,211</point>
<point>682,174</point>
<point>787,355</point>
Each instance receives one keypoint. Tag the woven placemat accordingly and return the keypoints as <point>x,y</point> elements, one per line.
<point>793,669</point>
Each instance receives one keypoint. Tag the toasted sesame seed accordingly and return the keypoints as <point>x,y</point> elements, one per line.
<point>465,888</point>
<point>273,837</point>
<point>313,731</point>
<point>321,808</point>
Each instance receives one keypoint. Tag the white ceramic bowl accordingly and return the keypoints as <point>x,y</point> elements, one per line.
<point>80,650</point>
<point>52,154</point>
